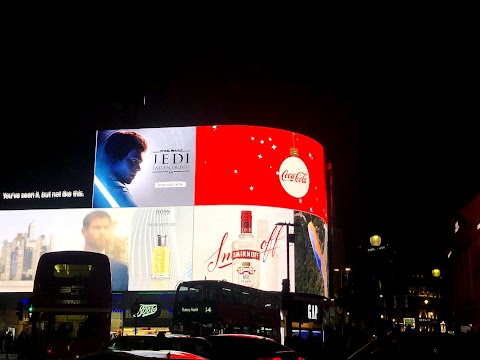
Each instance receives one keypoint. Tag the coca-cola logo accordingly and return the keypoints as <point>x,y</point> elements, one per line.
<point>293,175</point>
<point>296,177</point>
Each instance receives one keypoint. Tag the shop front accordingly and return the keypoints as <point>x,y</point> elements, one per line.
<point>141,312</point>
<point>307,315</point>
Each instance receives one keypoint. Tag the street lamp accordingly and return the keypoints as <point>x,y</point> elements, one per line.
<point>135,308</point>
<point>345,300</point>
<point>436,274</point>
<point>375,240</point>
<point>346,270</point>
<point>290,239</point>
<point>286,282</point>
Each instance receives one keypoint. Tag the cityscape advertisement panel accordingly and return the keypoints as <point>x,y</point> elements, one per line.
<point>197,191</point>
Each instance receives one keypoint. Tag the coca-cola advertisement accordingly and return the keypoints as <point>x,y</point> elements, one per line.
<point>255,165</point>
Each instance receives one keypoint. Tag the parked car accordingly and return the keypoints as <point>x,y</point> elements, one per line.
<point>140,355</point>
<point>135,342</point>
<point>422,346</point>
<point>191,344</point>
<point>250,347</point>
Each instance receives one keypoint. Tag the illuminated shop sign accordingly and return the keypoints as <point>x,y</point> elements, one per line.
<point>312,312</point>
<point>196,309</point>
<point>146,310</point>
<point>424,320</point>
<point>409,322</point>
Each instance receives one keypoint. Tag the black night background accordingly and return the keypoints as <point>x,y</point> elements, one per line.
<point>395,115</point>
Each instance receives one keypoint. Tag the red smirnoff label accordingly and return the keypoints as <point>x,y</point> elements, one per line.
<point>245,254</point>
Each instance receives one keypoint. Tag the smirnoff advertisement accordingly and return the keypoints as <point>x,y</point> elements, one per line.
<point>215,252</point>
<point>209,202</point>
<point>262,253</point>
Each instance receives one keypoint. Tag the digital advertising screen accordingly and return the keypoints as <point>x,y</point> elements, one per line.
<point>245,204</point>
<point>158,167</point>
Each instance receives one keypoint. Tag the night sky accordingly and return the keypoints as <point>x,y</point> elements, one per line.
<point>396,117</point>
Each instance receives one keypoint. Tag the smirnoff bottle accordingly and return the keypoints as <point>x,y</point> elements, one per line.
<point>246,254</point>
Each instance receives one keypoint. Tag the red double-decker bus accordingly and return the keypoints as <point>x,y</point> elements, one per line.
<point>204,307</point>
<point>71,304</point>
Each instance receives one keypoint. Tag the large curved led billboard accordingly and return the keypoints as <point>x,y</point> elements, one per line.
<point>244,204</point>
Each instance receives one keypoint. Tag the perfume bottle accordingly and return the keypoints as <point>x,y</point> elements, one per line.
<point>246,254</point>
<point>161,258</point>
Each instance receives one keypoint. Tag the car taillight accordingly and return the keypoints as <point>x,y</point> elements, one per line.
<point>49,351</point>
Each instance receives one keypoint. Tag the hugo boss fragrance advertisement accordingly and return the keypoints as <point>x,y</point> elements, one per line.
<point>161,258</point>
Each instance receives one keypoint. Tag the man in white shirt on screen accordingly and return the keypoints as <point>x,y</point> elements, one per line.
<point>97,231</point>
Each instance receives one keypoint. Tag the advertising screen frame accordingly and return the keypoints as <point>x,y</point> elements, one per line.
<point>203,177</point>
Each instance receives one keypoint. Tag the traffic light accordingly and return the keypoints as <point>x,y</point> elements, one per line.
<point>30,309</point>
<point>286,296</point>
<point>19,310</point>
<point>30,305</point>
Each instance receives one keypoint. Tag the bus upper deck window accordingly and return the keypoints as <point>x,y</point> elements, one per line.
<point>72,270</point>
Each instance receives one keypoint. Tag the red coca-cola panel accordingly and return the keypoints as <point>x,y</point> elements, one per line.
<point>253,165</point>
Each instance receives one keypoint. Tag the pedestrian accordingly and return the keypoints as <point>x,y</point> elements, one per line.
<point>22,345</point>
<point>8,343</point>
<point>161,339</point>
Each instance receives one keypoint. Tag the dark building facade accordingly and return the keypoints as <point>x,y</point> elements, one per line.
<point>464,265</point>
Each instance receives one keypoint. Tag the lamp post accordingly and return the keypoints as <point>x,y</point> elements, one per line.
<point>341,276</point>
<point>134,311</point>
<point>346,270</point>
<point>345,300</point>
<point>286,282</point>
<point>438,302</point>
<point>375,242</point>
